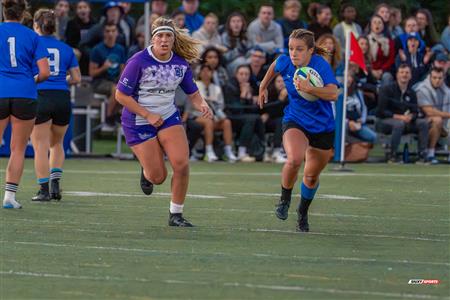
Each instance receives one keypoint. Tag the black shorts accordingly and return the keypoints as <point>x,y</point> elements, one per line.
<point>21,108</point>
<point>54,105</point>
<point>323,140</point>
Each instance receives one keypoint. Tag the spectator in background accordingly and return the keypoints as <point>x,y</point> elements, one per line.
<point>213,58</point>
<point>367,82</point>
<point>241,109</point>
<point>212,94</point>
<point>235,40</point>
<point>321,16</point>
<point>418,62</point>
<point>290,19</point>
<point>442,62</point>
<point>158,8</point>
<point>384,11</point>
<point>426,27</point>
<point>410,27</point>
<point>62,9</point>
<point>399,114</point>
<point>272,117</point>
<point>348,17</point>
<point>140,42</point>
<point>208,33</point>
<point>112,14</point>
<point>433,97</point>
<point>179,17</point>
<point>258,59</point>
<point>330,42</point>
<point>264,32</point>
<point>445,37</point>
<point>357,113</point>
<point>382,50</point>
<point>107,62</point>
<point>77,29</point>
<point>194,20</point>
<point>395,19</point>
<point>126,8</point>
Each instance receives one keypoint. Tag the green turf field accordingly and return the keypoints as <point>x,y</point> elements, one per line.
<point>371,232</point>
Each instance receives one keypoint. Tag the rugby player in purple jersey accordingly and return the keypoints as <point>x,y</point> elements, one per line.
<point>150,120</point>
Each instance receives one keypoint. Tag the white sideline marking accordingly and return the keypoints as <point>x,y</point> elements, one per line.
<point>322,196</point>
<point>351,234</point>
<point>226,254</point>
<point>330,291</point>
<point>100,194</point>
<point>225,284</point>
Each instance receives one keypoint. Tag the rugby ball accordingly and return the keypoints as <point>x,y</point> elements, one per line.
<point>314,78</point>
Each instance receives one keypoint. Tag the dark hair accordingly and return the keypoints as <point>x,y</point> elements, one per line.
<point>14,9</point>
<point>377,8</point>
<point>109,23</point>
<point>212,49</point>
<point>242,35</point>
<point>203,66</point>
<point>370,22</point>
<point>243,66</point>
<point>343,8</point>
<point>403,66</point>
<point>308,37</point>
<point>176,12</point>
<point>315,9</point>
<point>437,70</point>
<point>265,4</point>
<point>45,20</point>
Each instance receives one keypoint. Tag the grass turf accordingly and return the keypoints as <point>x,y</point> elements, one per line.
<point>106,240</point>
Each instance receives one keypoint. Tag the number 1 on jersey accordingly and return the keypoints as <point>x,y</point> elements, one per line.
<point>12,51</point>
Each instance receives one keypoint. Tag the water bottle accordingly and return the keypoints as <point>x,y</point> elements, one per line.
<point>405,154</point>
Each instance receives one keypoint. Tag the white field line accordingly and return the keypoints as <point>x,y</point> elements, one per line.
<point>225,284</point>
<point>321,196</point>
<point>237,173</point>
<point>129,195</point>
<point>332,291</point>
<point>381,236</point>
<point>222,254</point>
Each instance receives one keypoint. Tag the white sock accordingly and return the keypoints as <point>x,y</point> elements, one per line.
<point>209,149</point>
<point>176,208</point>
<point>9,196</point>
<point>431,152</point>
<point>276,151</point>
<point>242,151</point>
<point>228,150</point>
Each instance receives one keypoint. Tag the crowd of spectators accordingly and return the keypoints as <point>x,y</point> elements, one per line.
<point>405,89</point>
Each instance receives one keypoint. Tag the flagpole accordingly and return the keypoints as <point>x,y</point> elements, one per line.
<point>344,106</point>
<point>147,23</point>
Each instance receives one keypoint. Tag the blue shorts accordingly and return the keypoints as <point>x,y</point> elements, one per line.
<point>136,134</point>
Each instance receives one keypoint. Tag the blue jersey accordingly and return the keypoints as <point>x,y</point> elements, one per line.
<point>60,60</point>
<point>317,116</point>
<point>20,47</point>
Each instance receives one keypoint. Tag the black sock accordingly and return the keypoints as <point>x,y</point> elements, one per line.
<point>286,194</point>
<point>304,206</point>
<point>44,186</point>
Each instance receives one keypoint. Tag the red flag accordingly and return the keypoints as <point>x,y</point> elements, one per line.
<point>356,54</point>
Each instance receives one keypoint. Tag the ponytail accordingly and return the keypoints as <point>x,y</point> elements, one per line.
<point>45,20</point>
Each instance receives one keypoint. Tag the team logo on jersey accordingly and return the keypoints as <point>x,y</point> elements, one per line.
<point>178,72</point>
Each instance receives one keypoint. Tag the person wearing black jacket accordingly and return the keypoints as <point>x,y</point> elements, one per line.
<point>399,113</point>
<point>77,29</point>
<point>241,109</point>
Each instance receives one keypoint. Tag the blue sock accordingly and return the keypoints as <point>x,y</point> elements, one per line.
<point>308,193</point>
<point>43,182</point>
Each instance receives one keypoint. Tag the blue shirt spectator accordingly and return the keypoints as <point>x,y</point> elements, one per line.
<point>194,20</point>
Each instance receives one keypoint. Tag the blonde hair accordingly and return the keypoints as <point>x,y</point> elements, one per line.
<point>335,57</point>
<point>184,45</point>
<point>288,4</point>
<point>308,37</point>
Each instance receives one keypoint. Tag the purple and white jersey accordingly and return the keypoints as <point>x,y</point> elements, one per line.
<point>152,83</point>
